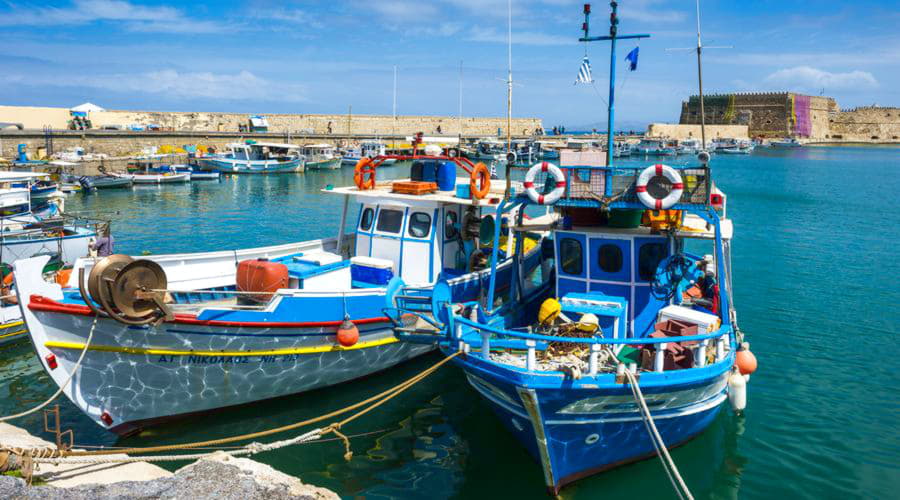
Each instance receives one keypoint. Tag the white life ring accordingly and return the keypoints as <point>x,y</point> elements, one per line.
<point>554,195</point>
<point>655,203</point>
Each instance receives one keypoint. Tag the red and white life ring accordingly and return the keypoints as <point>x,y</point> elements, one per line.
<point>659,203</point>
<point>553,196</point>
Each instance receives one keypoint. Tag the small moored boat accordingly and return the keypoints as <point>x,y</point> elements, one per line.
<point>255,158</point>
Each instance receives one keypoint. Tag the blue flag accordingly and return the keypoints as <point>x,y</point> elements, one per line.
<point>632,57</point>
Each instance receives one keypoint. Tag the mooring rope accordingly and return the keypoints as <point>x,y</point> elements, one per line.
<point>62,386</point>
<point>49,455</point>
<point>669,466</point>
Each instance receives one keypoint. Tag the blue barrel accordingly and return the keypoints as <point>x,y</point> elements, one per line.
<point>446,176</point>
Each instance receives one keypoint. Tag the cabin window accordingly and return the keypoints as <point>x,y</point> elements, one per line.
<point>365,222</point>
<point>649,257</point>
<point>571,256</point>
<point>450,230</point>
<point>609,258</point>
<point>419,224</point>
<point>390,221</point>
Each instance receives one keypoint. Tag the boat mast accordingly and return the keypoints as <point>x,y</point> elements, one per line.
<point>509,86</point>
<point>459,143</point>
<point>610,119</point>
<point>394,109</point>
<point>700,81</point>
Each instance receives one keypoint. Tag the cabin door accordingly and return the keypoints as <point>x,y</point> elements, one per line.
<point>420,255</point>
<point>386,242</point>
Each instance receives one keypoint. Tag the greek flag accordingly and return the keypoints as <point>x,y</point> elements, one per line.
<point>584,74</point>
<point>632,59</point>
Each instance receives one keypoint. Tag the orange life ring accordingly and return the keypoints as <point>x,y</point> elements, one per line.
<point>364,174</point>
<point>480,182</point>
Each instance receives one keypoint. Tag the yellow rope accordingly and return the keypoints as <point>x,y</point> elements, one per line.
<point>378,400</point>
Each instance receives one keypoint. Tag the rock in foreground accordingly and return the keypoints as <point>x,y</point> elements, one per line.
<point>220,477</point>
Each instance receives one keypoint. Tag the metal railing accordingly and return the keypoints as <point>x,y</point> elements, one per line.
<point>717,340</point>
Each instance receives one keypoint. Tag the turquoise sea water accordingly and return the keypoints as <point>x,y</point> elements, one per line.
<point>815,271</point>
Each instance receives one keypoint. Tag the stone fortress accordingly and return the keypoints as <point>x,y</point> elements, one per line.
<point>788,114</point>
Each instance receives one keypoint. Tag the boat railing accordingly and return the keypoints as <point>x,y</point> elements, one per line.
<point>462,330</point>
<point>588,183</point>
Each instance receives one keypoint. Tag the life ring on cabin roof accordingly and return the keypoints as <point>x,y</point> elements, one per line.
<point>480,181</point>
<point>551,197</point>
<point>364,174</point>
<point>650,198</point>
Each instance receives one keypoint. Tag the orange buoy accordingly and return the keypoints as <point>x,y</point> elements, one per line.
<point>745,361</point>
<point>364,174</point>
<point>63,275</point>
<point>347,333</point>
<point>480,182</point>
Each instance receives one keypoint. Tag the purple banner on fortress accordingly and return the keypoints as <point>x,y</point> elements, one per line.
<point>802,121</point>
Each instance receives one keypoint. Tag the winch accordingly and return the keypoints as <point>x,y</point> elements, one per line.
<point>129,291</point>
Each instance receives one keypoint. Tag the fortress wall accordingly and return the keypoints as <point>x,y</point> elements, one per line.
<point>57,118</point>
<point>868,124</point>
<point>693,131</point>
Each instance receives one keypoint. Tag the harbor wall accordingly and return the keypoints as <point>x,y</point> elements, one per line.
<point>678,131</point>
<point>786,114</point>
<point>867,124</point>
<point>327,124</point>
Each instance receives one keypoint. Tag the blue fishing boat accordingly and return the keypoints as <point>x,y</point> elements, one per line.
<point>256,158</point>
<point>637,346</point>
<point>233,327</point>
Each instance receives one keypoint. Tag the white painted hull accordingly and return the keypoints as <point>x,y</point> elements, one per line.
<point>152,384</point>
<point>161,178</point>
<point>73,247</point>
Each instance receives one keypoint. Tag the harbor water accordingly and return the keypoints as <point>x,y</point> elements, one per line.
<point>815,270</point>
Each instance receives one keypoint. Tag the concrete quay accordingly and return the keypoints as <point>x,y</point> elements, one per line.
<point>217,477</point>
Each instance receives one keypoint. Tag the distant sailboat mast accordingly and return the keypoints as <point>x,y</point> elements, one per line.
<point>700,81</point>
<point>509,86</point>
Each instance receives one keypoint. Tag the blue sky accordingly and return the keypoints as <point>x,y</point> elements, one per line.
<point>321,57</point>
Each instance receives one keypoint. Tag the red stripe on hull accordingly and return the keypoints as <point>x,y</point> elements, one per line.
<point>43,304</point>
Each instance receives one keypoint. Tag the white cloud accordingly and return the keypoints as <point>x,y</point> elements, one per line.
<point>161,19</point>
<point>806,77</point>
<point>242,86</point>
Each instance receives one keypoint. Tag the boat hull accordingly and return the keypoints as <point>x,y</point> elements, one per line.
<point>574,430</point>
<point>329,164</point>
<point>12,329</point>
<point>71,247</point>
<point>141,376</point>
<point>231,166</point>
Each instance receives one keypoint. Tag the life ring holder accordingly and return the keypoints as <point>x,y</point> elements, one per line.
<point>659,170</point>
<point>364,174</point>
<point>480,181</point>
<point>551,197</point>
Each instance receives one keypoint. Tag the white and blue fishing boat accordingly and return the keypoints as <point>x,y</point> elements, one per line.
<point>218,329</point>
<point>688,146</point>
<point>366,149</point>
<point>25,233</point>
<point>636,350</point>
<point>790,142</point>
<point>650,146</point>
<point>256,158</point>
<point>489,149</point>
<point>320,157</point>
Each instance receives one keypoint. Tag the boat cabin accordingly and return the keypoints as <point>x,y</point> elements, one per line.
<point>422,237</point>
<point>259,151</point>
